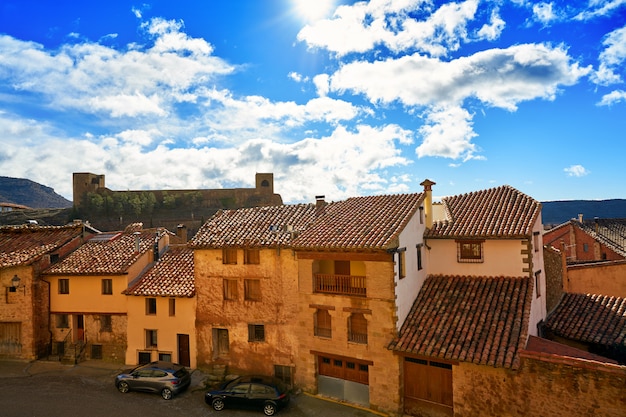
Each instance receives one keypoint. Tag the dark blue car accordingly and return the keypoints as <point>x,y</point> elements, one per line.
<point>252,391</point>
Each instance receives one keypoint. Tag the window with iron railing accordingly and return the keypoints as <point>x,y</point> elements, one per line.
<point>323,322</point>
<point>357,328</point>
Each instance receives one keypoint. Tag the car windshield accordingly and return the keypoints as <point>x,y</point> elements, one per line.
<point>180,373</point>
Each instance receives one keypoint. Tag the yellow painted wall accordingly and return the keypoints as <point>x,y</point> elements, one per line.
<point>168,327</point>
<point>85,295</point>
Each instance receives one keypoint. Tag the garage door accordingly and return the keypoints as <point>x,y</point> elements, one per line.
<point>427,386</point>
<point>345,379</point>
<point>10,338</point>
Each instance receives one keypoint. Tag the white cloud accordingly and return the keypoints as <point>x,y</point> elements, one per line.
<point>447,133</point>
<point>611,58</point>
<point>613,97</point>
<point>600,8</point>
<point>576,171</point>
<point>493,29</point>
<point>544,13</point>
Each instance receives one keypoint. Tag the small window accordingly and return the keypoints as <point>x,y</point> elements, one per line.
<point>419,257</point>
<point>63,321</point>
<point>172,305</point>
<point>230,289</point>
<point>96,351</point>
<point>256,333</point>
<point>151,339</point>
<point>422,215</point>
<point>538,283</point>
<point>251,256</point>
<point>107,286</point>
<point>106,324</point>
<point>322,324</point>
<point>357,328</point>
<point>229,256</point>
<point>585,247</point>
<point>144,357</point>
<point>166,357</point>
<point>470,251</point>
<point>64,286</point>
<point>252,289</point>
<point>536,241</point>
<point>402,262</point>
<point>151,306</point>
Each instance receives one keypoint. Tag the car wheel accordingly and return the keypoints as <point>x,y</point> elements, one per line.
<point>123,387</point>
<point>218,404</point>
<point>269,409</point>
<point>166,393</point>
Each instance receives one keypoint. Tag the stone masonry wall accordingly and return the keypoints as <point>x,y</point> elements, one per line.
<point>541,387</point>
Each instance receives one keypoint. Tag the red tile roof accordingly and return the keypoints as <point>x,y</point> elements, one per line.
<point>590,318</point>
<point>21,245</point>
<point>109,253</point>
<point>482,320</point>
<point>610,232</point>
<point>538,345</point>
<point>493,213</point>
<point>171,276</point>
<point>254,227</point>
<point>361,223</point>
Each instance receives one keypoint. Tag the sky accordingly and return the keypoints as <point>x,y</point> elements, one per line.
<point>334,97</point>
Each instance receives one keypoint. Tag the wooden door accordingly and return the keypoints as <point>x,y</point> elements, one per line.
<point>183,350</point>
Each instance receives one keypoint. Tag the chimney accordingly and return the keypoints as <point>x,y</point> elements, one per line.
<point>320,205</point>
<point>137,241</point>
<point>428,201</point>
<point>580,218</point>
<point>181,233</point>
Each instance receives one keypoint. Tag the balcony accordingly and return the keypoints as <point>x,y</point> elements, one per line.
<point>352,285</point>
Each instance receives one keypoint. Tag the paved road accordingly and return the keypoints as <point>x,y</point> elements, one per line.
<point>44,389</point>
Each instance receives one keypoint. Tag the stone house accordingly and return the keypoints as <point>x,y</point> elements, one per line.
<point>88,307</point>
<point>483,297</point>
<point>161,310</point>
<point>24,305</point>
<point>360,267</point>
<point>247,288</point>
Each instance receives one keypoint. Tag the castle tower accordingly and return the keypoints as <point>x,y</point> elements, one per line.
<point>265,183</point>
<point>83,183</point>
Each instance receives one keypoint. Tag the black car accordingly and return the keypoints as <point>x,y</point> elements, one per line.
<point>252,391</point>
<point>165,378</point>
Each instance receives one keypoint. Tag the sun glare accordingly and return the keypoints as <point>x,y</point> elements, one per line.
<point>311,10</point>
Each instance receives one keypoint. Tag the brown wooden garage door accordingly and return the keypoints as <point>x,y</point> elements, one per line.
<point>427,386</point>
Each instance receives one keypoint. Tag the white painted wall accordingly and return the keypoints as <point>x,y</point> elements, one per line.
<point>408,287</point>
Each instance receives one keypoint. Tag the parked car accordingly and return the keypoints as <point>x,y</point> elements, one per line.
<point>165,378</point>
<point>251,391</point>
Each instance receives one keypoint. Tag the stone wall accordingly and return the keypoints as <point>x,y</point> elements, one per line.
<point>543,386</point>
<point>552,261</point>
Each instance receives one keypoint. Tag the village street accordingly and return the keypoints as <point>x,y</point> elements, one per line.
<point>48,389</point>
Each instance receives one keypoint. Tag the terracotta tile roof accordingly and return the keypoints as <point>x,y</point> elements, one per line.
<point>108,253</point>
<point>21,245</point>
<point>254,227</point>
<point>361,223</point>
<point>171,276</point>
<point>610,232</point>
<point>482,320</point>
<point>538,345</point>
<point>496,212</point>
<point>590,318</point>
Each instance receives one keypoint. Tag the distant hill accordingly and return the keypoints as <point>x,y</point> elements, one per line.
<point>557,212</point>
<point>29,193</point>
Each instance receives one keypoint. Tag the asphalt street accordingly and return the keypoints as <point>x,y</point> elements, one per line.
<point>51,389</point>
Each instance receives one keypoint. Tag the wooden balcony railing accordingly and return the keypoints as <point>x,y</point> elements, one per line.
<point>340,284</point>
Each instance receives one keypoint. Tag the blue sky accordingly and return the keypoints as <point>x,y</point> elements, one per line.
<point>338,98</point>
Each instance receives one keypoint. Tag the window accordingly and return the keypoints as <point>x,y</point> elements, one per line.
<point>585,247</point>
<point>151,339</point>
<point>107,286</point>
<point>284,373</point>
<point>144,357</point>
<point>96,351</point>
<point>357,328</point>
<point>252,289</point>
<point>151,306</point>
<point>470,251</point>
<point>229,256</point>
<point>322,323</point>
<point>64,286</point>
<point>172,303</point>
<point>166,357</point>
<point>536,241</point>
<point>251,256</point>
<point>402,262</point>
<point>419,256</point>
<point>63,321</point>
<point>422,215</point>
<point>230,289</point>
<point>256,333</point>
<point>538,283</point>
<point>106,324</point>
